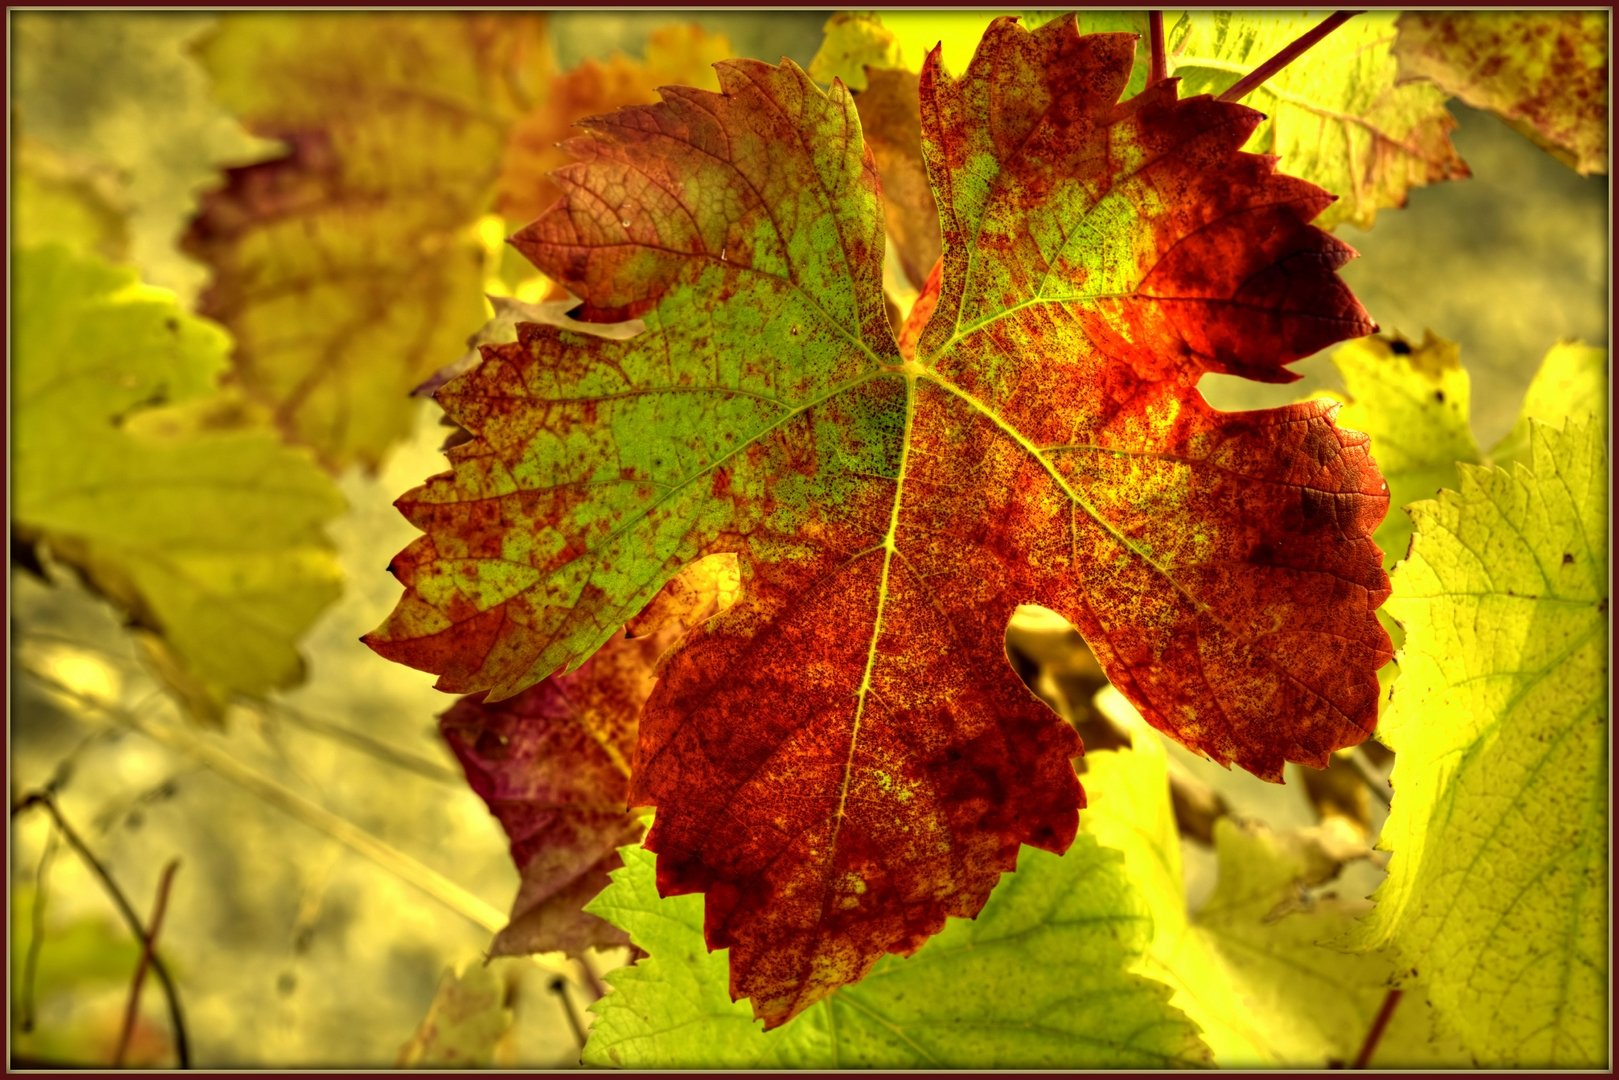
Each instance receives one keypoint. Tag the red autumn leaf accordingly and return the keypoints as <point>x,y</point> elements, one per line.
<point>553,765</point>
<point>845,758</point>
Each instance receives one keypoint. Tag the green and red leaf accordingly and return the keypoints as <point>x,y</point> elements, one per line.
<point>845,757</point>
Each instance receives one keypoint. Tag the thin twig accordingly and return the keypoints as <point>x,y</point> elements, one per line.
<point>133,1007</point>
<point>182,1046</point>
<point>1379,1025</point>
<point>1378,785</point>
<point>559,987</point>
<point>423,877</point>
<point>1159,71</point>
<point>358,740</point>
<point>36,940</point>
<point>593,978</point>
<point>1288,53</point>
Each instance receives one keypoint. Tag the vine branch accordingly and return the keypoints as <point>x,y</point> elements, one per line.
<point>132,1007</point>
<point>1286,55</point>
<point>559,987</point>
<point>36,940</point>
<point>182,1046</point>
<point>423,877</point>
<point>1378,786</point>
<point>1379,1024</point>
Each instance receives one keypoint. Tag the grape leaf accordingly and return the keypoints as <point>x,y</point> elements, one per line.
<point>1255,968</point>
<point>464,1022</point>
<point>878,55</point>
<point>349,268</point>
<point>553,765</point>
<point>1038,980</point>
<point>125,117</point>
<point>158,489</point>
<point>1545,73</point>
<point>1571,384</point>
<point>1498,883</point>
<point>1337,117</point>
<point>845,758</point>
<point>852,42</point>
<point>1413,401</point>
<point>674,55</point>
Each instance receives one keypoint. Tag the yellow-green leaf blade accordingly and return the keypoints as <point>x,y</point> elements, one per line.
<point>1413,401</point>
<point>158,489</point>
<point>1572,384</point>
<point>1497,891</point>
<point>1040,981</point>
<point>1255,968</point>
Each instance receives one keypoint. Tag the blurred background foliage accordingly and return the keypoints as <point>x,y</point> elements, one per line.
<point>338,881</point>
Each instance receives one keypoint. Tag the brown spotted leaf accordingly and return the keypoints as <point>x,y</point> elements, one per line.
<point>845,758</point>
<point>1544,72</point>
<point>349,268</point>
<point>553,765</point>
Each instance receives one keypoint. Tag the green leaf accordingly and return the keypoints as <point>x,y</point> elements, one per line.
<point>118,101</point>
<point>1255,969</point>
<point>1413,401</point>
<point>1336,116</point>
<point>463,1024</point>
<point>351,268</point>
<point>1545,73</point>
<point>1572,384</point>
<point>1039,980</point>
<point>161,492</point>
<point>1498,886</point>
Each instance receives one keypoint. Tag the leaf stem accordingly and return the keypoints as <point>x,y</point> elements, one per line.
<point>36,940</point>
<point>1159,69</point>
<point>1379,1024</point>
<point>133,1006</point>
<point>1286,55</point>
<point>182,1046</point>
<point>559,987</point>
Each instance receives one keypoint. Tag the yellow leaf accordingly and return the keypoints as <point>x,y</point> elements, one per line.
<point>164,494</point>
